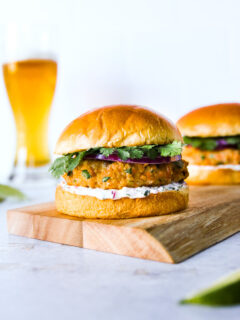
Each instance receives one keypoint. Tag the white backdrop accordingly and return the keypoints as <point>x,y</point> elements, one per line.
<point>169,55</point>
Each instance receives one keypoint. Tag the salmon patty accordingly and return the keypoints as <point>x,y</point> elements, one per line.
<point>211,158</point>
<point>116,175</point>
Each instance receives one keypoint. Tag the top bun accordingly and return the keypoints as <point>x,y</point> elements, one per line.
<point>116,126</point>
<point>212,121</point>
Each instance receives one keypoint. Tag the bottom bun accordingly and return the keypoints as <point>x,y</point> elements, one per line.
<point>91,207</point>
<point>204,175</point>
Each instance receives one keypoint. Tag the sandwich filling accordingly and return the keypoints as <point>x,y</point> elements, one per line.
<point>125,192</point>
<point>219,151</point>
<point>114,173</point>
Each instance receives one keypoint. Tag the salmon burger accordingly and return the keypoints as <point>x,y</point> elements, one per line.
<point>120,162</point>
<point>212,138</point>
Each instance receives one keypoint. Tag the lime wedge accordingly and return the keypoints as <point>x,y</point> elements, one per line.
<point>225,292</point>
<point>10,192</point>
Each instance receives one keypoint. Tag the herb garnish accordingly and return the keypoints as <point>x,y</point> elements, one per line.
<point>211,143</point>
<point>66,163</point>
<point>86,174</point>
<point>129,170</point>
<point>106,151</point>
<point>105,179</point>
<point>70,161</point>
<point>10,192</point>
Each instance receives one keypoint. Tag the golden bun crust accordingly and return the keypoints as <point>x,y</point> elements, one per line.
<point>211,121</point>
<point>199,175</point>
<point>116,126</point>
<point>91,207</point>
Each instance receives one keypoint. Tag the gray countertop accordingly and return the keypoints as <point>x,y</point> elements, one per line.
<point>42,280</point>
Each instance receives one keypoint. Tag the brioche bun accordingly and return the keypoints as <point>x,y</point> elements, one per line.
<point>212,121</point>
<point>91,207</point>
<point>116,126</point>
<point>203,175</point>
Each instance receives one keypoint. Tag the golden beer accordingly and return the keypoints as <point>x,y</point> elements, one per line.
<point>30,87</point>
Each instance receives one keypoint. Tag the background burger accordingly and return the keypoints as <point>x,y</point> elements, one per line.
<point>120,162</point>
<point>212,135</point>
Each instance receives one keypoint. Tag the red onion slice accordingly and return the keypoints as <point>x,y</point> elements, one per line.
<point>223,144</point>
<point>115,157</point>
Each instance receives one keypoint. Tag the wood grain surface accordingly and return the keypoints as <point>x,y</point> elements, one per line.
<point>213,215</point>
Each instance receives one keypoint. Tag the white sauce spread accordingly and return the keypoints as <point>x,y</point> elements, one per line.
<point>115,194</point>
<point>235,167</point>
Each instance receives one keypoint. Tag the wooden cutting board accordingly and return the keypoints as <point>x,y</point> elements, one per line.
<point>213,215</point>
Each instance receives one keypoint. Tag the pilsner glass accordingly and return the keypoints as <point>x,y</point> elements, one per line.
<point>30,83</point>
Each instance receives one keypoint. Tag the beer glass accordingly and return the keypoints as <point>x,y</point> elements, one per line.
<point>30,73</point>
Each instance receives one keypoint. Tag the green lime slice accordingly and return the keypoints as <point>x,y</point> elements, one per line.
<point>10,192</point>
<point>225,292</point>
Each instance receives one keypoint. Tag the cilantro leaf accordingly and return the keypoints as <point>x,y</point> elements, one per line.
<point>150,151</point>
<point>66,164</point>
<point>73,160</point>
<point>201,143</point>
<point>107,151</point>
<point>123,153</point>
<point>208,144</point>
<point>136,153</point>
<point>148,147</point>
<point>58,167</point>
<point>233,140</point>
<point>195,142</point>
<point>171,150</point>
